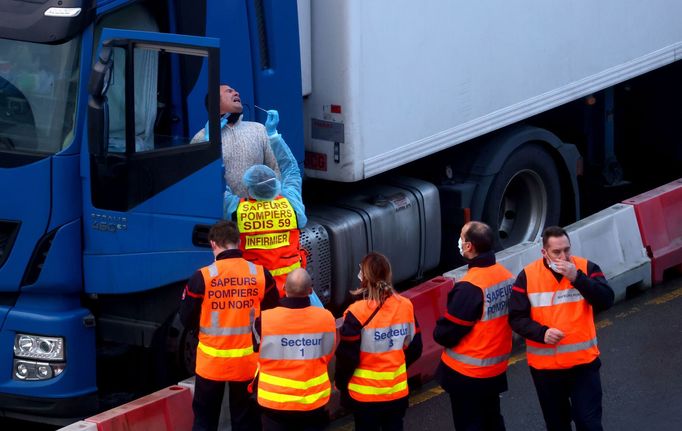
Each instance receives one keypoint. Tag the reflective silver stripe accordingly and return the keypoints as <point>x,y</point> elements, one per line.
<point>496,299</point>
<point>238,330</point>
<point>380,340</point>
<point>297,346</point>
<point>543,299</point>
<point>255,333</point>
<point>561,348</point>
<point>478,362</point>
<point>252,323</point>
<point>215,328</point>
<point>252,267</point>
<point>213,270</point>
<point>546,299</point>
<point>568,295</point>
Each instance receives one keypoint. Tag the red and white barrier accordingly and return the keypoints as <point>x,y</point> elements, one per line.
<point>659,214</point>
<point>169,409</point>
<point>429,300</point>
<point>611,239</point>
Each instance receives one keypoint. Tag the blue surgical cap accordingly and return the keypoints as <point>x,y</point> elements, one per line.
<point>261,182</point>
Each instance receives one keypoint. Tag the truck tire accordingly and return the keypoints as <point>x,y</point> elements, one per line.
<point>524,197</point>
<point>187,352</point>
<point>181,344</point>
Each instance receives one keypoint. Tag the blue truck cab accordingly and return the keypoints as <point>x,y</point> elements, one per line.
<point>105,201</point>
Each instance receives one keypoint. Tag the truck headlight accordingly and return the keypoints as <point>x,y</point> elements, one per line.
<point>39,347</point>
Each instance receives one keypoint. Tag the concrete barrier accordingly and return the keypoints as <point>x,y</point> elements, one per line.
<point>513,258</point>
<point>169,409</point>
<point>611,239</point>
<point>80,426</point>
<point>659,214</point>
<point>429,300</point>
<point>189,384</point>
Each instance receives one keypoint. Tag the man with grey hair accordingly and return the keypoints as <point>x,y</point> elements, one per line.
<point>296,342</point>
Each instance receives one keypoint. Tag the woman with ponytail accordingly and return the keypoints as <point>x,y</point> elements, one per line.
<point>379,339</point>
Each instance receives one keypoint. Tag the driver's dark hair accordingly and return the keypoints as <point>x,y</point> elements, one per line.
<point>553,232</point>
<point>480,235</point>
<point>206,97</point>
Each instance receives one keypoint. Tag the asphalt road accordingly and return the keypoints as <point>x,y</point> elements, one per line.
<point>641,350</point>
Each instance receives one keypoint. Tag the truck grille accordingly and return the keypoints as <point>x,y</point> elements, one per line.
<point>35,264</point>
<point>315,241</point>
<point>8,233</point>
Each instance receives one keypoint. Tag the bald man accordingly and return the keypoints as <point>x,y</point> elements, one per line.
<point>296,342</point>
<point>476,335</point>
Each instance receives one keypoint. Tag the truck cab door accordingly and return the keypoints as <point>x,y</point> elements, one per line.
<point>149,190</point>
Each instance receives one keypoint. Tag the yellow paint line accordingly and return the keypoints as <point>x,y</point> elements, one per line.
<point>627,313</point>
<point>603,323</point>
<point>434,392</point>
<point>516,358</point>
<point>667,297</point>
<point>425,396</point>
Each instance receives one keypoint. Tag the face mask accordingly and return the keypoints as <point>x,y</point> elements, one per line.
<point>552,266</point>
<point>459,245</point>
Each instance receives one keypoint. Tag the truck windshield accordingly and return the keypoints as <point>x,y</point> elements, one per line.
<point>38,86</point>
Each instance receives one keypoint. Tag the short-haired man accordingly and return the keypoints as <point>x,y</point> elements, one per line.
<point>223,300</point>
<point>244,143</point>
<point>476,335</point>
<point>552,305</point>
<point>296,344</point>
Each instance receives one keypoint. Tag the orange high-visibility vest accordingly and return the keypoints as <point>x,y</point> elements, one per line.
<point>270,236</point>
<point>560,305</point>
<point>233,292</point>
<point>296,347</point>
<point>381,374</point>
<point>484,351</point>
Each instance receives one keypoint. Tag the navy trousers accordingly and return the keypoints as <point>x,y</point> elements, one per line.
<point>476,412</point>
<point>571,394</point>
<point>314,420</point>
<point>208,399</point>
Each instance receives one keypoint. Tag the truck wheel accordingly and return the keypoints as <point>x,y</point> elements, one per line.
<point>187,352</point>
<point>525,196</point>
<point>182,345</point>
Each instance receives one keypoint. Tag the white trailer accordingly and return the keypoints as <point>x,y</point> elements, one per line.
<point>413,78</point>
<point>500,106</point>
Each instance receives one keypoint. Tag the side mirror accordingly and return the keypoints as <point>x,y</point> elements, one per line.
<point>98,121</point>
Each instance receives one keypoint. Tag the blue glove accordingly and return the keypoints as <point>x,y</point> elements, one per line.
<point>315,300</point>
<point>272,122</point>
